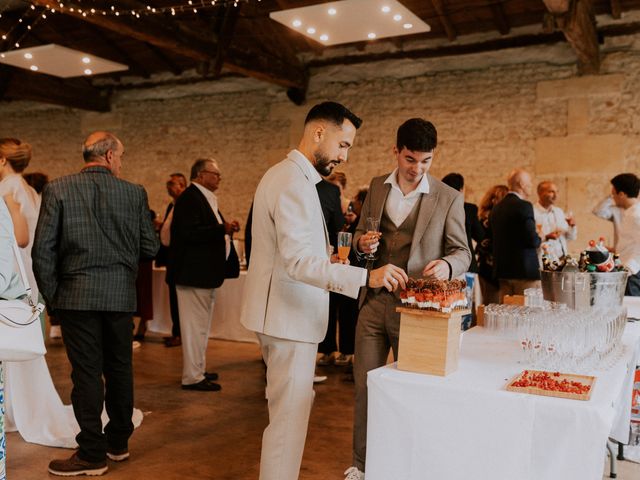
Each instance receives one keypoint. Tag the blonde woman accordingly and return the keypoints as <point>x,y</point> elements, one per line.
<point>32,404</point>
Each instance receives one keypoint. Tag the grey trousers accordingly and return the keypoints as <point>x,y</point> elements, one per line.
<point>377,331</point>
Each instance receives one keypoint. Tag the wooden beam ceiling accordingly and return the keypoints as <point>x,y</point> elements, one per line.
<point>178,42</point>
<point>38,87</point>
<point>575,18</point>
<point>500,19</point>
<point>443,17</point>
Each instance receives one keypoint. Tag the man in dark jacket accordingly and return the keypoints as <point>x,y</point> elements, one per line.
<point>92,231</point>
<point>515,239</point>
<point>199,246</point>
<point>471,222</point>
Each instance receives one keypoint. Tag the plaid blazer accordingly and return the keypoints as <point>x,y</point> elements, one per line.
<point>92,230</point>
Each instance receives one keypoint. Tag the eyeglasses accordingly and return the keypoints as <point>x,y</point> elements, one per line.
<point>217,174</point>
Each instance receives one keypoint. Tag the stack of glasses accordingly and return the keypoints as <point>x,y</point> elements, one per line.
<point>554,337</point>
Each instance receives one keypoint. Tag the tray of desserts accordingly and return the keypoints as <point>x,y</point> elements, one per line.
<point>553,384</point>
<point>436,295</point>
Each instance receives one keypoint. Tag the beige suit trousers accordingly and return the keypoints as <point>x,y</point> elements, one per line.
<point>196,308</point>
<point>290,371</point>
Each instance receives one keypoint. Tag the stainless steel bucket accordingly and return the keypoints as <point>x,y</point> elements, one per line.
<point>582,290</point>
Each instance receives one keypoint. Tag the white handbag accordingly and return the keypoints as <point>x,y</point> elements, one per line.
<point>20,333</point>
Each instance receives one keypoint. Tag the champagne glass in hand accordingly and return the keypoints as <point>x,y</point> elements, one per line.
<point>344,245</point>
<point>373,229</point>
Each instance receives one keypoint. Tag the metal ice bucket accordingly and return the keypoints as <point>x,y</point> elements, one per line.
<point>582,289</point>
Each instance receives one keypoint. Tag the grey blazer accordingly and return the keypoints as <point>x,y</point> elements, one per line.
<point>439,232</point>
<point>92,230</point>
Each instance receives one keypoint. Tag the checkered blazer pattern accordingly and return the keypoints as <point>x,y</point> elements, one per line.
<point>92,230</point>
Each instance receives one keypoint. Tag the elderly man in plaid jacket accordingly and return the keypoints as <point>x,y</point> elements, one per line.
<point>92,231</point>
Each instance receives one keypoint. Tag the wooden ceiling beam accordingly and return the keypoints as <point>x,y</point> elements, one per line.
<point>172,40</point>
<point>616,8</point>
<point>39,87</point>
<point>575,18</point>
<point>443,17</point>
<point>225,36</point>
<point>499,18</point>
<point>160,55</point>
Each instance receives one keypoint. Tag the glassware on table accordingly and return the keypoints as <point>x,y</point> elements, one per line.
<point>373,226</point>
<point>344,245</point>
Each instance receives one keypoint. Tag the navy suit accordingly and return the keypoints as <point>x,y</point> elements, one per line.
<point>197,251</point>
<point>515,240</point>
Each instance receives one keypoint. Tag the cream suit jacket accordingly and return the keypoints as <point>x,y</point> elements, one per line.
<point>286,292</point>
<point>439,232</point>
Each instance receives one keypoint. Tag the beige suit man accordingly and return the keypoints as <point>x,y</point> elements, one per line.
<point>286,296</point>
<point>422,222</point>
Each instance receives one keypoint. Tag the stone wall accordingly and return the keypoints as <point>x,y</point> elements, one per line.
<point>502,112</point>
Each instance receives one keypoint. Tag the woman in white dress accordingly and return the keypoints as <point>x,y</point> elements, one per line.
<point>32,404</point>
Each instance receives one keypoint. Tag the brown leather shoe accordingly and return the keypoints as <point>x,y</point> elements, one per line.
<point>172,342</point>
<point>74,466</point>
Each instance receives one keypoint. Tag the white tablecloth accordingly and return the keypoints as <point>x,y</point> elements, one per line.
<point>226,313</point>
<point>466,426</point>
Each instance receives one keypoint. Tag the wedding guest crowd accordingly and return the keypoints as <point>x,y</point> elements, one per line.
<point>84,240</point>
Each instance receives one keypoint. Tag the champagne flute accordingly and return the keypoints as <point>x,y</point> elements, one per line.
<point>373,226</point>
<point>344,245</point>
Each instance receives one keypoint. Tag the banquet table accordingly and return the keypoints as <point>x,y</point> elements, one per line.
<point>225,322</point>
<point>466,425</point>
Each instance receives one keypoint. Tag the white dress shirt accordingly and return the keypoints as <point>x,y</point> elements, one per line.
<point>626,227</point>
<point>398,205</point>
<point>213,202</point>
<point>552,219</point>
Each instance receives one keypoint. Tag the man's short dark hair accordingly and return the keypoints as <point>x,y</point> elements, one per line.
<point>454,180</point>
<point>417,135</point>
<point>627,183</point>
<point>334,113</point>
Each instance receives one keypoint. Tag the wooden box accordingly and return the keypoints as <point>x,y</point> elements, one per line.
<point>429,341</point>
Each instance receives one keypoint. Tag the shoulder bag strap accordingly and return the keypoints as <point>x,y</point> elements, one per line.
<point>23,274</point>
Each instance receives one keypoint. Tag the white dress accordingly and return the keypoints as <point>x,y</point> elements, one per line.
<point>32,404</point>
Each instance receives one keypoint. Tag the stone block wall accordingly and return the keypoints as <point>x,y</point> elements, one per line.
<point>577,131</point>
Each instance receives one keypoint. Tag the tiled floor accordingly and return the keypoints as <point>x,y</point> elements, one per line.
<point>202,435</point>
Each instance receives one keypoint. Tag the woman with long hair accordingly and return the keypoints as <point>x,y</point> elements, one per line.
<point>488,284</point>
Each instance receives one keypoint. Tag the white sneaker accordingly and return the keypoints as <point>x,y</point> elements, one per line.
<point>353,473</point>
<point>55,332</point>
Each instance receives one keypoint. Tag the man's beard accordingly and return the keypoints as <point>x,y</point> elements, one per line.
<point>323,165</point>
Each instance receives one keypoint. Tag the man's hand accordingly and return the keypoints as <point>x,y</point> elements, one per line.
<point>553,235</point>
<point>389,277</point>
<point>336,259</point>
<point>436,269</point>
<point>231,227</point>
<point>369,242</point>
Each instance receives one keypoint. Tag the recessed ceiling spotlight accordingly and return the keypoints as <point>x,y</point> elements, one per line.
<point>386,9</point>
<point>397,17</point>
<point>88,71</point>
<point>332,11</point>
<point>86,60</point>
<point>296,23</point>
<point>28,56</point>
<point>371,35</point>
<point>311,30</point>
<point>407,26</point>
<point>34,68</point>
<point>324,37</point>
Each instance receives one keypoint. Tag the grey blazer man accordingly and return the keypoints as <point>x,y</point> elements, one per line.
<point>86,249</point>
<point>92,231</point>
<point>435,229</point>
